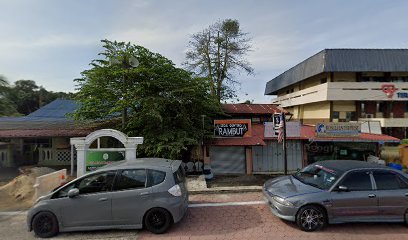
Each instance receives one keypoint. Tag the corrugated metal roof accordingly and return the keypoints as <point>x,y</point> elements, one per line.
<point>26,133</point>
<point>307,132</point>
<point>342,60</point>
<point>243,108</point>
<point>51,116</point>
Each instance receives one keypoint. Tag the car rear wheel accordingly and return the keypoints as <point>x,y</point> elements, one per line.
<point>311,218</point>
<point>158,220</point>
<point>45,225</point>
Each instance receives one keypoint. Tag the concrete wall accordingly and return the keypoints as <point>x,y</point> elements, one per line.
<point>319,110</point>
<point>46,183</point>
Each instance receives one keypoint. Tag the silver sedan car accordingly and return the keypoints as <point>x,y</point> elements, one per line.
<point>148,193</point>
<point>338,191</point>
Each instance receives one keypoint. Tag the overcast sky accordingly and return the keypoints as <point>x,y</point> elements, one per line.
<point>52,41</point>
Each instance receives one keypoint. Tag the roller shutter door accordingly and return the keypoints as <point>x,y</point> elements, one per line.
<point>227,160</point>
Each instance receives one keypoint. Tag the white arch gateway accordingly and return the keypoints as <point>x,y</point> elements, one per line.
<point>82,146</point>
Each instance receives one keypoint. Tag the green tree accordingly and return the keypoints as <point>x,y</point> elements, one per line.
<point>26,96</point>
<point>7,108</point>
<point>162,103</point>
<point>218,53</point>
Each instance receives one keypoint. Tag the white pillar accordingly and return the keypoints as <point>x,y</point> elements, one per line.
<point>81,158</point>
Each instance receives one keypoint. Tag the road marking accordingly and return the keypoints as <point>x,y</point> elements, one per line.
<point>197,205</point>
<point>12,213</point>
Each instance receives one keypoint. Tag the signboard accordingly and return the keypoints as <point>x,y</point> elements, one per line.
<point>390,90</point>
<point>232,128</point>
<point>292,129</point>
<point>97,159</point>
<point>338,129</point>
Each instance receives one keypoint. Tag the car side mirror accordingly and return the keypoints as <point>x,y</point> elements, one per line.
<point>342,188</point>
<point>73,192</point>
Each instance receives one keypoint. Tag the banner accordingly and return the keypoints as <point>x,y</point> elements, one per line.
<point>97,159</point>
<point>232,128</point>
<point>345,129</point>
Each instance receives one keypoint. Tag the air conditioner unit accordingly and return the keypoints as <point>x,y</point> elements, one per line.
<point>369,115</point>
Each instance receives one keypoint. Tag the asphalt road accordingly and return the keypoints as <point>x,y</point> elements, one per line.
<point>14,228</point>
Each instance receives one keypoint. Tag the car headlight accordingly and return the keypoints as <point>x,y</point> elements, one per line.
<point>282,201</point>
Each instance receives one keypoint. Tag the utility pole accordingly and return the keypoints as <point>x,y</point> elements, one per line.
<point>285,155</point>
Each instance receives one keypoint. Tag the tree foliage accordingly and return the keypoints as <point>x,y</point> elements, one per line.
<point>163,103</point>
<point>7,108</point>
<point>218,53</point>
<point>26,96</point>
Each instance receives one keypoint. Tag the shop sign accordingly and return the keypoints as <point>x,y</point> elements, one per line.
<point>232,128</point>
<point>97,159</point>
<point>390,89</point>
<point>338,129</point>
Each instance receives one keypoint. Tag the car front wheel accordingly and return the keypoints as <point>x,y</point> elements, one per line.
<point>45,225</point>
<point>158,220</point>
<point>311,218</point>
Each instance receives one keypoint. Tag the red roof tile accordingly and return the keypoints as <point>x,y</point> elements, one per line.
<point>245,141</point>
<point>44,133</point>
<point>307,132</point>
<point>251,108</point>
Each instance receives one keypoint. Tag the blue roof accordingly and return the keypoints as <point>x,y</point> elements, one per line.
<point>56,109</point>
<point>51,116</point>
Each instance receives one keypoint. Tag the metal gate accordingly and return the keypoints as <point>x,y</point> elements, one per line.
<point>269,158</point>
<point>227,160</point>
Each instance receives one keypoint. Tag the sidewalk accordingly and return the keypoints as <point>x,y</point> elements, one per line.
<point>198,185</point>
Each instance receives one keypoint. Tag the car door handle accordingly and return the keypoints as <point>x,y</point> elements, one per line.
<point>144,193</point>
<point>371,195</point>
<point>406,194</point>
<point>102,199</point>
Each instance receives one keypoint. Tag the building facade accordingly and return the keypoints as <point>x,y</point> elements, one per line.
<point>341,85</point>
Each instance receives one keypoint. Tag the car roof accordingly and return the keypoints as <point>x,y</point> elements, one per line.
<point>142,162</point>
<point>342,166</point>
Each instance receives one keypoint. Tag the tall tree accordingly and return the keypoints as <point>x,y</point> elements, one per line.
<point>26,96</point>
<point>163,103</point>
<point>218,53</point>
<point>7,108</point>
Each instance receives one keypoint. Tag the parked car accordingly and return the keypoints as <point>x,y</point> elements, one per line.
<point>147,192</point>
<point>339,191</point>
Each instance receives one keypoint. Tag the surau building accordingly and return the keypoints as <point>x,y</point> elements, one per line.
<point>341,85</point>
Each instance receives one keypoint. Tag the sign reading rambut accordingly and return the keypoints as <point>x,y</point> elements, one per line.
<point>345,129</point>
<point>232,128</point>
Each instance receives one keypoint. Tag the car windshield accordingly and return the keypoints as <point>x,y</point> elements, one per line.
<point>317,176</point>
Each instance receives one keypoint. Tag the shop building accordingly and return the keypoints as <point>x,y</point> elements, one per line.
<point>40,138</point>
<point>342,85</point>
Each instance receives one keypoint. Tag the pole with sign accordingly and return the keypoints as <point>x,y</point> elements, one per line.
<point>280,126</point>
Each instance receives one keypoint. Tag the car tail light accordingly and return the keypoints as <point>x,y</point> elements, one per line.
<point>175,190</point>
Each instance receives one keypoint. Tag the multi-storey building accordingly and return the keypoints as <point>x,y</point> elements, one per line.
<point>340,85</point>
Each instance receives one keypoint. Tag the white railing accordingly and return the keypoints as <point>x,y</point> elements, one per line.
<point>388,122</point>
<point>343,91</point>
<point>45,154</point>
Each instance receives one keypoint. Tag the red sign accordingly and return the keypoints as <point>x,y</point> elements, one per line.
<point>389,89</point>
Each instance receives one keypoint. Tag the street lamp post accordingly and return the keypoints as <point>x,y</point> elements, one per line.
<point>126,62</point>
<point>202,140</point>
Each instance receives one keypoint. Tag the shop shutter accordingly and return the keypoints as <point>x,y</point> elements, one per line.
<point>227,160</point>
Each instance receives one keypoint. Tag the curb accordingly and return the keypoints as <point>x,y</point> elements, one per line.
<point>226,190</point>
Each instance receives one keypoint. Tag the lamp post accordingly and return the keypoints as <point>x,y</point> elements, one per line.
<point>202,140</point>
<point>126,62</point>
<point>285,155</point>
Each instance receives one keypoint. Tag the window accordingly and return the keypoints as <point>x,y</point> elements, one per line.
<point>100,182</point>
<point>357,181</point>
<point>386,180</point>
<point>155,177</point>
<point>131,179</point>
<point>336,115</point>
